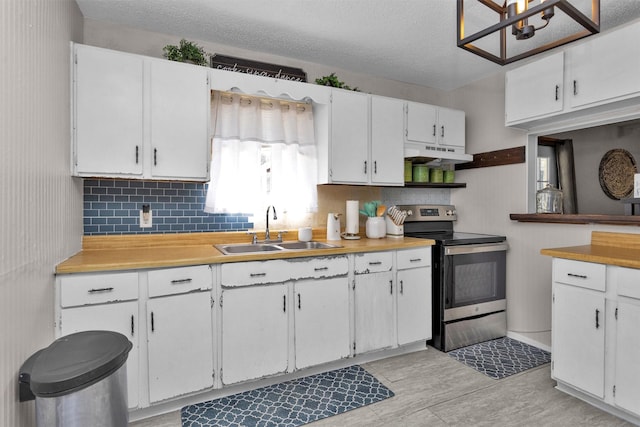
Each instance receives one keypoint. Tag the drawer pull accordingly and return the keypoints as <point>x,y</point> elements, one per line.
<point>97,290</point>
<point>415,260</point>
<point>597,318</point>
<point>578,276</point>
<point>320,268</point>
<point>375,263</point>
<point>257,274</point>
<point>180,281</point>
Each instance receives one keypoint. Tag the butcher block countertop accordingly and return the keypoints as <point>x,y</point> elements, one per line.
<point>621,249</point>
<point>108,253</point>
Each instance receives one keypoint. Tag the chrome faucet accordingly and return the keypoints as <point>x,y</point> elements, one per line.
<point>267,235</point>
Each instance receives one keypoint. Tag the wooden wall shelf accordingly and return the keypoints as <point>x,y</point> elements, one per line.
<point>578,219</point>
<point>435,185</point>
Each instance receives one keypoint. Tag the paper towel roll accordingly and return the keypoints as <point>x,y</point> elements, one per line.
<point>353,221</point>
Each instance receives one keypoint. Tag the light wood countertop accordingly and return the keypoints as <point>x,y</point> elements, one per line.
<point>621,249</point>
<point>109,253</point>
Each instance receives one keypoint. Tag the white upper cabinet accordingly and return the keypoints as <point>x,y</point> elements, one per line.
<point>535,89</point>
<point>387,126</point>
<point>583,80</point>
<point>108,112</point>
<point>139,117</point>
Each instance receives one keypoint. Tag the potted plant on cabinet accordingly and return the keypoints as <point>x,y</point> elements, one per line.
<point>186,52</point>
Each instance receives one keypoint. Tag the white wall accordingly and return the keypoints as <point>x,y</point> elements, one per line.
<point>40,204</point>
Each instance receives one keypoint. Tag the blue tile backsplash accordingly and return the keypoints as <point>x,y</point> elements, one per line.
<point>113,207</point>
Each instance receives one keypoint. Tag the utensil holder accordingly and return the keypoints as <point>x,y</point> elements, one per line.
<point>375,227</point>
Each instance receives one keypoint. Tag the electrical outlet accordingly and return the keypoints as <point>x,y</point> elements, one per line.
<point>146,217</point>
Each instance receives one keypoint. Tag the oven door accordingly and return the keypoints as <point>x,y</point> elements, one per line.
<point>474,280</point>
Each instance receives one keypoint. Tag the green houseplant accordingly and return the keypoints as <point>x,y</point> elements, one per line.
<point>333,81</point>
<point>186,52</point>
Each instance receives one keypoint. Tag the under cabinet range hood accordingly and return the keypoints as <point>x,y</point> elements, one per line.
<point>435,155</point>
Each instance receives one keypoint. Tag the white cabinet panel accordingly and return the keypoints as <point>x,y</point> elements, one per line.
<point>578,335</point>
<point>117,317</point>
<point>179,280</point>
<point>254,332</point>
<point>627,375</point>
<point>373,262</point>
<point>108,110</point>
<point>387,140</point>
<point>180,345</point>
<point>579,273</point>
<point>422,123</point>
<point>349,137</point>
<point>98,288</point>
<point>321,321</point>
<point>374,300</point>
<point>414,305</point>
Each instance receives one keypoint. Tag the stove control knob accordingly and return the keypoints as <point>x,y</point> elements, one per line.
<point>450,212</point>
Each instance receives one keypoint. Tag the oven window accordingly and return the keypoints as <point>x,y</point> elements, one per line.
<point>474,278</point>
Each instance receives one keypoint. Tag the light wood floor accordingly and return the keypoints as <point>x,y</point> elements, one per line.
<point>432,389</point>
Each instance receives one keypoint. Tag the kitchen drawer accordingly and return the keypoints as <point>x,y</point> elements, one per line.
<point>179,280</point>
<point>627,280</point>
<point>373,262</point>
<point>99,288</point>
<point>412,258</point>
<point>578,273</point>
<point>278,270</point>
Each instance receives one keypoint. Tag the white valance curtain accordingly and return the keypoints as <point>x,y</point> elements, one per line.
<point>264,153</point>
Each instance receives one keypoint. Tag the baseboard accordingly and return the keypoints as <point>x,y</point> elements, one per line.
<point>528,340</point>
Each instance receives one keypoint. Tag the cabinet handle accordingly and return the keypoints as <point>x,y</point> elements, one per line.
<point>391,286</point>
<point>597,318</point>
<point>375,262</point>
<point>415,260</point>
<point>132,325</point>
<point>401,287</point>
<point>365,166</point>
<point>153,326</point>
<point>299,302</point>
<point>320,268</point>
<point>155,157</point>
<point>434,130</point>
<point>136,154</point>
<point>180,281</point>
<point>442,131</point>
<point>257,274</point>
<point>557,91</point>
<point>96,290</point>
<point>579,276</point>
<point>575,87</point>
<point>284,303</point>
<point>375,166</point>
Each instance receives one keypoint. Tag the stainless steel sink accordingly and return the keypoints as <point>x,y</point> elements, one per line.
<point>247,248</point>
<point>256,248</point>
<point>306,245</point>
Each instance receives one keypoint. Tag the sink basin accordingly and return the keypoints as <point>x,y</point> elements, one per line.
<point>306,245</point>
<point>247,248</point>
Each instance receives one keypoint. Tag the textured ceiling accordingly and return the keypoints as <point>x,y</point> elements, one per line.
<point>412,41</point>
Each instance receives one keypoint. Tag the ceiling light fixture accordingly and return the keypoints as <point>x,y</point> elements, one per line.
<point>516,13</point>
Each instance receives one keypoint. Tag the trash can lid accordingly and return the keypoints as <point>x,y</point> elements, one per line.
<point>76,361</point>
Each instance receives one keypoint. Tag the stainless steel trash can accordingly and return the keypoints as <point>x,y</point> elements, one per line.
<point>79,380</point>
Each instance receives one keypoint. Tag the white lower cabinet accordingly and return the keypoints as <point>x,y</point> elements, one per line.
<point>321,321</point>
<point>373,302</point>
<point>414,295</point>
<point>627,376</point>
<point>180,345</point>
<point>254,332</point>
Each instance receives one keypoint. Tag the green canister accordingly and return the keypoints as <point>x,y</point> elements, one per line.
<point>449,176</point>
<point>436,175</point>
<point>420,173</point>
<point>408,171</point>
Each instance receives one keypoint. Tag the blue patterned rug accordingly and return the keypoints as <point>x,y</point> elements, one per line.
<point>501,357</point>
<point>291,403</point>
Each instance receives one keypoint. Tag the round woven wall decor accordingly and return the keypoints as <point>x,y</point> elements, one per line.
<point>617,168</point>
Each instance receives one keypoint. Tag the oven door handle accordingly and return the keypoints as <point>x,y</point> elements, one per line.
<point>474,249</point>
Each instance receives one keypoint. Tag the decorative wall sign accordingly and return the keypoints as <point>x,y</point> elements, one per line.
<point>240,65</point>
<point>616,173</point>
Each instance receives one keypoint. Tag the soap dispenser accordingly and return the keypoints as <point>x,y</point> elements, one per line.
<point>333,226</point>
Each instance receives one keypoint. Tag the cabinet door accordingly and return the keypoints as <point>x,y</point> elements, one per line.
<point>414,305</point>
<point>578,337</point>
<point>601,71</point>
<point>180,337</point>
<point>108,117</point>
<point>387,141</point>
<point>627,376</point>
<point>451,131</point>
<point>321,321</point>
<point>422,122</point>
<point>374,325</point>
<point>117,317</point>
<point>179,114</point>
<point>349,137</point>
<point>254,332</point>
<point>535,89</point>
